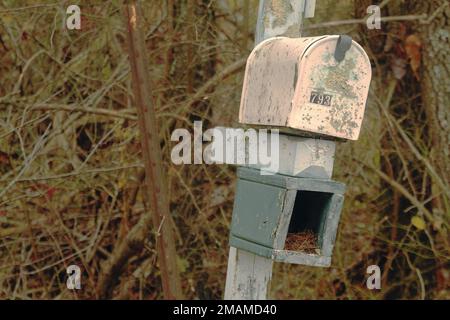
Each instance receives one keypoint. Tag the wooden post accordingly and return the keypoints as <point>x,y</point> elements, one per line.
<point>151,150</point>
<point>249,275</point>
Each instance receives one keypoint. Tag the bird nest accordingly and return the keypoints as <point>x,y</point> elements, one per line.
<point>302,241</point>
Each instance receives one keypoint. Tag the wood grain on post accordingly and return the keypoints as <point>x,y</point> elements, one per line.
<point>249,275</point>
<point>282,18</point>
<point>152,156</point>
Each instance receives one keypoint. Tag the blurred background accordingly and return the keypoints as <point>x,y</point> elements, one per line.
<point>71,174</point>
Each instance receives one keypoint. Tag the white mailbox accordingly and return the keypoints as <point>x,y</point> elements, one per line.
<point>316,84</point>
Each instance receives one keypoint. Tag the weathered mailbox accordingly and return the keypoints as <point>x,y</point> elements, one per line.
<point>317,85</point>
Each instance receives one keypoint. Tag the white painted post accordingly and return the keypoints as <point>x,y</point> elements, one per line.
<point>249,275</point>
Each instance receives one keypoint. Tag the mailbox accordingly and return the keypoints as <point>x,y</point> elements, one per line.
<point>317,85</point>
<point>286,218</point>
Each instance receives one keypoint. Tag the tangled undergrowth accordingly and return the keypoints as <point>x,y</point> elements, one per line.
<point>71,184</point>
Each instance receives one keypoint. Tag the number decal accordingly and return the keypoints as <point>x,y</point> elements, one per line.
<point>320,98</point>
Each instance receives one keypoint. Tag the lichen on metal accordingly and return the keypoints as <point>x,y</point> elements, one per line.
<point>298,84</point>
<point>282,18</point>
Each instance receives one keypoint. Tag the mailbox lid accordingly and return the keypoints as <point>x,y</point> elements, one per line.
<point>330,95</point>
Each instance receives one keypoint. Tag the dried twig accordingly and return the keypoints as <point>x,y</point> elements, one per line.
<point>411,17</point>
<point>71,108</point>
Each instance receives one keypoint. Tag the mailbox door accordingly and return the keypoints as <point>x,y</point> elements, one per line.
<point>330,96</point>
<point>256,213</point>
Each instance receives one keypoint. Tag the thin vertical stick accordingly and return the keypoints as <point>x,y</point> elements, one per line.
<point>157,194</point>
<point>190,32</point>
<point>170,37</point>
<point>245,25</point>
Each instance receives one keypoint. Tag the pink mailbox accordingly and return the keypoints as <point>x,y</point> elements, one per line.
<point>317,85</point>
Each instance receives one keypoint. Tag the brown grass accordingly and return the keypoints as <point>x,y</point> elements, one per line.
<point>71,170</point>
<point>302,241</point>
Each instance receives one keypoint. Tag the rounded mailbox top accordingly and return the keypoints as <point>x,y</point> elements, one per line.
<point>298,83</point>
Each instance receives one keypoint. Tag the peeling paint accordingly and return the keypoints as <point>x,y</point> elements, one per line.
<point>281,17</point>
<point>273,197</point>
<point>282,75</point>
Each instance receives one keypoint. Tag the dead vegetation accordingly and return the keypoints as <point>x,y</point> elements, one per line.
<point>303,241</point>
<point>71,175</point>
